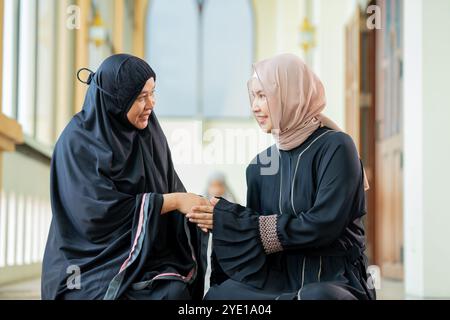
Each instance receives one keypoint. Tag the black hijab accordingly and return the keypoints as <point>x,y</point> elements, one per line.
<point>107,181</point>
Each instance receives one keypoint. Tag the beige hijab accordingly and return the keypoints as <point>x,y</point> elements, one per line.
<point>296,99</point>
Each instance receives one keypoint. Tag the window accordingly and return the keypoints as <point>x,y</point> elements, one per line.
<point>46,71</point>
<point>172,40</point>
<point>29,67</point>
<point>65,68</point>
<point>10,36</point>
<point>202,60</point>
<point>228,58</point>
<point>26,89</point>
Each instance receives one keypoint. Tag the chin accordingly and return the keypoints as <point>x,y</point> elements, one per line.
<point>266,130</point>
<point>142,126</point>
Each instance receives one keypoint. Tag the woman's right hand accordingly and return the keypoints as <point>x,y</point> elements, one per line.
<point>188,200</point>
<point>182,202</point>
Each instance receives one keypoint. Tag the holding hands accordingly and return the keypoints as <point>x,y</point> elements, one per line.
<point>202,215</point>
<point>197,209</point>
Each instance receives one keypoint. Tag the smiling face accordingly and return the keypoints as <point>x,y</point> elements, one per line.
<point>260,107</point>
<point>143,106</point>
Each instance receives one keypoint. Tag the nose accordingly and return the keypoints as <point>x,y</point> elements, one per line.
<point>150,103</point>
<point>255,107</point>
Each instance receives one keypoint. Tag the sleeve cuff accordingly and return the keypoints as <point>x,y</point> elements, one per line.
<point>268,234</point>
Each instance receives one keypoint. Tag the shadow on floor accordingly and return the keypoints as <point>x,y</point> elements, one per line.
<point>30,290</point>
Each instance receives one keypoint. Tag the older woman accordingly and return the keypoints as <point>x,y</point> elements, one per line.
<point>119,229</point>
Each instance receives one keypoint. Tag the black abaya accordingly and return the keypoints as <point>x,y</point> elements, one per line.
<point>301,234</point>
<point>107,182</point>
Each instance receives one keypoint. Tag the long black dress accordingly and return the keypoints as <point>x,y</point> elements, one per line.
<point>301,235</point>
<point>108,239</point>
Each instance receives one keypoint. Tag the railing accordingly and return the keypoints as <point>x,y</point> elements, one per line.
<point>24,225</point>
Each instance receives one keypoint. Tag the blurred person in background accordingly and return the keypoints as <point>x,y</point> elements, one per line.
<point>217,187</point>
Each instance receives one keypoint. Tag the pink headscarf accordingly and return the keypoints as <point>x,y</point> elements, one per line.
<point>296,98</point>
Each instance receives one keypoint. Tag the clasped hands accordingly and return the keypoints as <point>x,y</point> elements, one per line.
<point>202,213</point>
<point>197,209</point>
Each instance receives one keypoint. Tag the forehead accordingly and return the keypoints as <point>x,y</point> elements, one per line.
<point>149,85</point>
<point>255,84</point>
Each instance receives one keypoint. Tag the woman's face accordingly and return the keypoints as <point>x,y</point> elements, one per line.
<point>260,107</point>
<point>142,107</point>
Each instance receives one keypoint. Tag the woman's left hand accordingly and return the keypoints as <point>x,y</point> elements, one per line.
<point>202,216</point>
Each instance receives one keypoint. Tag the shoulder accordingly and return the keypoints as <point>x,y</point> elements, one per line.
<point>334,140</point>
<point>75,140</point>
<point>338,150</point>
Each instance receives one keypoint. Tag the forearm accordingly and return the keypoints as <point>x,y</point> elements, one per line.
<point>170,203</point>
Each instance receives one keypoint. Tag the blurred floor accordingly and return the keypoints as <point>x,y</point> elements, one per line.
<point>30,290</point>
<point>25,290</point>
<point>391,290</point>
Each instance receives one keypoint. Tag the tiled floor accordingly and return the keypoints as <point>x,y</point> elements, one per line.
<point>30,290</point>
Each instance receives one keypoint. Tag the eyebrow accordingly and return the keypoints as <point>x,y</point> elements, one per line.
<point>146,91</point>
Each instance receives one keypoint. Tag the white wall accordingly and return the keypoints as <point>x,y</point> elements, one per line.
<point>436,146</point>
<point>426,148</point>
<point>413,149</point>
<point>25,215</point>
<point>25,175</point>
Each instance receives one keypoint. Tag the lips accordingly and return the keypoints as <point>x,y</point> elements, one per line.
<point>261,119</point>
<point>145,116</point>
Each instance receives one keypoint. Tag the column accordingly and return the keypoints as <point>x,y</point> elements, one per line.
<point>426,148</point>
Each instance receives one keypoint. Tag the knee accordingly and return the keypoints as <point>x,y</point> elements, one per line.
<point>227,290</point>
<point>325,291</point>
<point>178,291</point>
<point>212,293</point>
